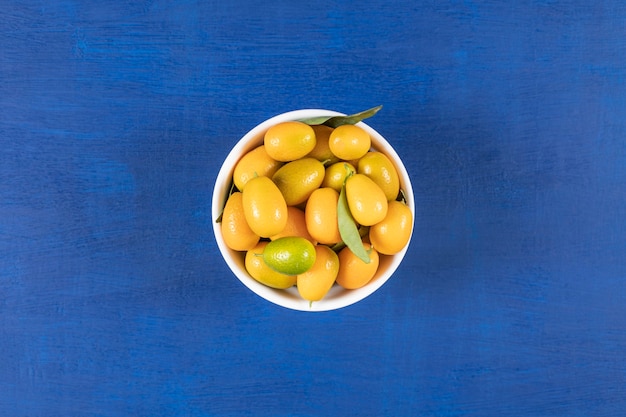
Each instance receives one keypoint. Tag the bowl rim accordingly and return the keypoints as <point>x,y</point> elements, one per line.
<point>338,297</point>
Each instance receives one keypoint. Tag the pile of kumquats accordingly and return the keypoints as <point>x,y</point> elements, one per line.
<point>315,205</point>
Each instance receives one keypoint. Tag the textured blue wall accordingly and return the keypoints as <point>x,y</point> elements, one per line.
<point>115,117</point>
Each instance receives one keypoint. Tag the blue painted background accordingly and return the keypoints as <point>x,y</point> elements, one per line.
<point>115,117</point>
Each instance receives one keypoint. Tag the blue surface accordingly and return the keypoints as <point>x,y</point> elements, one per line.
<point>114,120</point>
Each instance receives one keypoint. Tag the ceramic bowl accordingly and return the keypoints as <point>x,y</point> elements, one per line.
<point>337,297</point>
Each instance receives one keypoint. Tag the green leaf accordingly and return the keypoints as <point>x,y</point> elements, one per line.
<point>348,229</point>
<point>401,197</point>
<point>316,120</point>
<point>334,121</point>
<point>230,192</point>
<point>363,230</point>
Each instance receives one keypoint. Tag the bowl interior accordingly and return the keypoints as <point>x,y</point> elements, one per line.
<point>337,297</point>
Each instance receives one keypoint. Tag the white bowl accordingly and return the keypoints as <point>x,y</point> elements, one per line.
<point>337,297</point>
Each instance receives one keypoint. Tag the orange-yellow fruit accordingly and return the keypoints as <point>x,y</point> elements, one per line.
<point>288,141</point>
<point>321,216</point>
<point>296,225</point>
<point>381,170</point>
<point>322,151</point>
<point>367,201</point>
<point>353,272</point>
<point>315,283</point>
<point>336,174</point>
<point>349,142</point>
<point>392,234</point>
<point>297,179</point>
<point>264,207</point>
<point>235,230</point>
<point>256,163</point>
<point>260,271</point>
